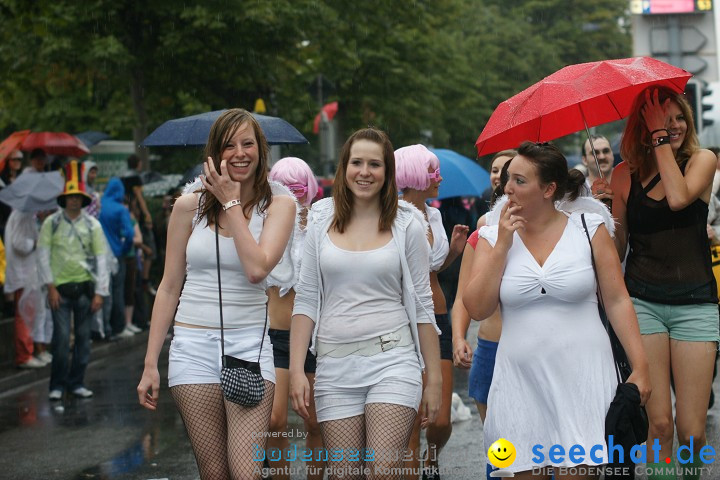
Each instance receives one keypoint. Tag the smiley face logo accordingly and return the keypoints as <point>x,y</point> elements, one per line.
<point>501,453</point>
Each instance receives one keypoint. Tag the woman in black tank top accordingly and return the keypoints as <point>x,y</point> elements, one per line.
<point>661,194</point>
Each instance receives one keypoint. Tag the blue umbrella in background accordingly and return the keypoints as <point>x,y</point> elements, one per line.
<point>462,177</point>
<point>92,137</point>
<point>195,129</point>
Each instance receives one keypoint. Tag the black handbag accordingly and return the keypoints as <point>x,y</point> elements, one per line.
<point>626,420</point>
<point>241,381</point>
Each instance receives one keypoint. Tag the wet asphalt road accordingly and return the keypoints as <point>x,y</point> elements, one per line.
<point>111,437</point>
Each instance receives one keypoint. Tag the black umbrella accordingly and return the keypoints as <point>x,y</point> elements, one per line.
<point>195,129</point>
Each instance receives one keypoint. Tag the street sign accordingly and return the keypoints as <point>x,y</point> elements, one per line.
<point>691,63</point>
<point>691,40</point>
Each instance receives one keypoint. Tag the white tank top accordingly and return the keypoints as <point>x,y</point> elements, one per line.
<point>243,302</point>
<point>362,295</point>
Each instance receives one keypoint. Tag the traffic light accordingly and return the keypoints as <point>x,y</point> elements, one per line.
<point>705,105</point>
<point>695,92</point>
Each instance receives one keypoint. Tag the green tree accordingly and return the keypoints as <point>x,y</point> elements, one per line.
<point>409,67</point>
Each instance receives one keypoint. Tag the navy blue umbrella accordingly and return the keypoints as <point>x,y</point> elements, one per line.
<point>462,177</point>
<point>195,129</point>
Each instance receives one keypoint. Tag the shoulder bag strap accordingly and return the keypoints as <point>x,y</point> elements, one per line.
<point>222,328</point>
<point>603,318</point>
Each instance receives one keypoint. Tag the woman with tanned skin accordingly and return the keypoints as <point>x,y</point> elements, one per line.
<point>418,178</point>
<point>660,198</point>
<point>296,175</point>
<point>235,209</point>
<point>483,360</point>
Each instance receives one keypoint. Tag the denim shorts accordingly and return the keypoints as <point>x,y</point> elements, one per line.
<point>481,372</point>
<point>443,322</point>
<point>689,323</point>
<point>281,351</point>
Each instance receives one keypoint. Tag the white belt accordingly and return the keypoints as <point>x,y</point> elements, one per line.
<point>366,348</point>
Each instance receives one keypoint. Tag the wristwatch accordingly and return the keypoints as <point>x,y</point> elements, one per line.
<point>657,141</point>
<point>231,204</point>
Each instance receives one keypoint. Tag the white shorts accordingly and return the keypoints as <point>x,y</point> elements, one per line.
<point>343,386</point>
<point>195,354</point>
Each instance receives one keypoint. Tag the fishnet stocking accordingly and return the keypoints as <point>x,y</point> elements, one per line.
<point>247,428</point>
<point>388,428</point>
<point>344,435</point>
<point>226,437</point>
<point>203,413</point>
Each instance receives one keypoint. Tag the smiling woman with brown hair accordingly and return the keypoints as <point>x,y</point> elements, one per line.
<point>364,299</point>
<point>235,213</point>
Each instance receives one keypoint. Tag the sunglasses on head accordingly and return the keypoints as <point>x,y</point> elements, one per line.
<point>435,176</point>
<point>298,190</point>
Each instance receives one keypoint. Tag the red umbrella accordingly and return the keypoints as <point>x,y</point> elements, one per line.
<point>56,143</point>
<point>329,109</point>
<point>573,98</point>
<point>11,144</point>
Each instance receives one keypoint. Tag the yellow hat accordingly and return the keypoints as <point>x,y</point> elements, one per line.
<point>74,183</point>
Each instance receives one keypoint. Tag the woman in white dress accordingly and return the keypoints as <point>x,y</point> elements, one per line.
<point>554,376</point>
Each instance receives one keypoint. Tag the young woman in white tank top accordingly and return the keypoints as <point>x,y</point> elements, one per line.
<point>418,177</point>
<point>364,298</point>
<point>254,229</point>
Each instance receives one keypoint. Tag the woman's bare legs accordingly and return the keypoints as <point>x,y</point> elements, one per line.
<point>438,433</point>
<point>278,424</point>
<point>314,439</point>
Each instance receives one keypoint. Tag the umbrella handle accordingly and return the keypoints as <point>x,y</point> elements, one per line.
<point>592,147</point>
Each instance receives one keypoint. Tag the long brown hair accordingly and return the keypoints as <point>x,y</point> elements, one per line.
<point>636,146</point>
<point>221,132</point>
<point>343,197</point>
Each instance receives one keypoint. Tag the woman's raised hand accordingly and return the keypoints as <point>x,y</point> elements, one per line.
<point>653,111</point>
<point>601,190</point>
<point>458,238</point>
<point>220,184</point>
<point>510,222</point>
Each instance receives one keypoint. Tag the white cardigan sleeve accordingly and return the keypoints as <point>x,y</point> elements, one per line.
<point>418,255</point>
<point>308,286</point>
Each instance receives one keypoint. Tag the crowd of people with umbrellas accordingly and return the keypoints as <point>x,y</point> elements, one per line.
<point>594,291</point>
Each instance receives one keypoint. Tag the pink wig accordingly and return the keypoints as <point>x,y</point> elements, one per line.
<point>411,167</point>
<point>294,171</point>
